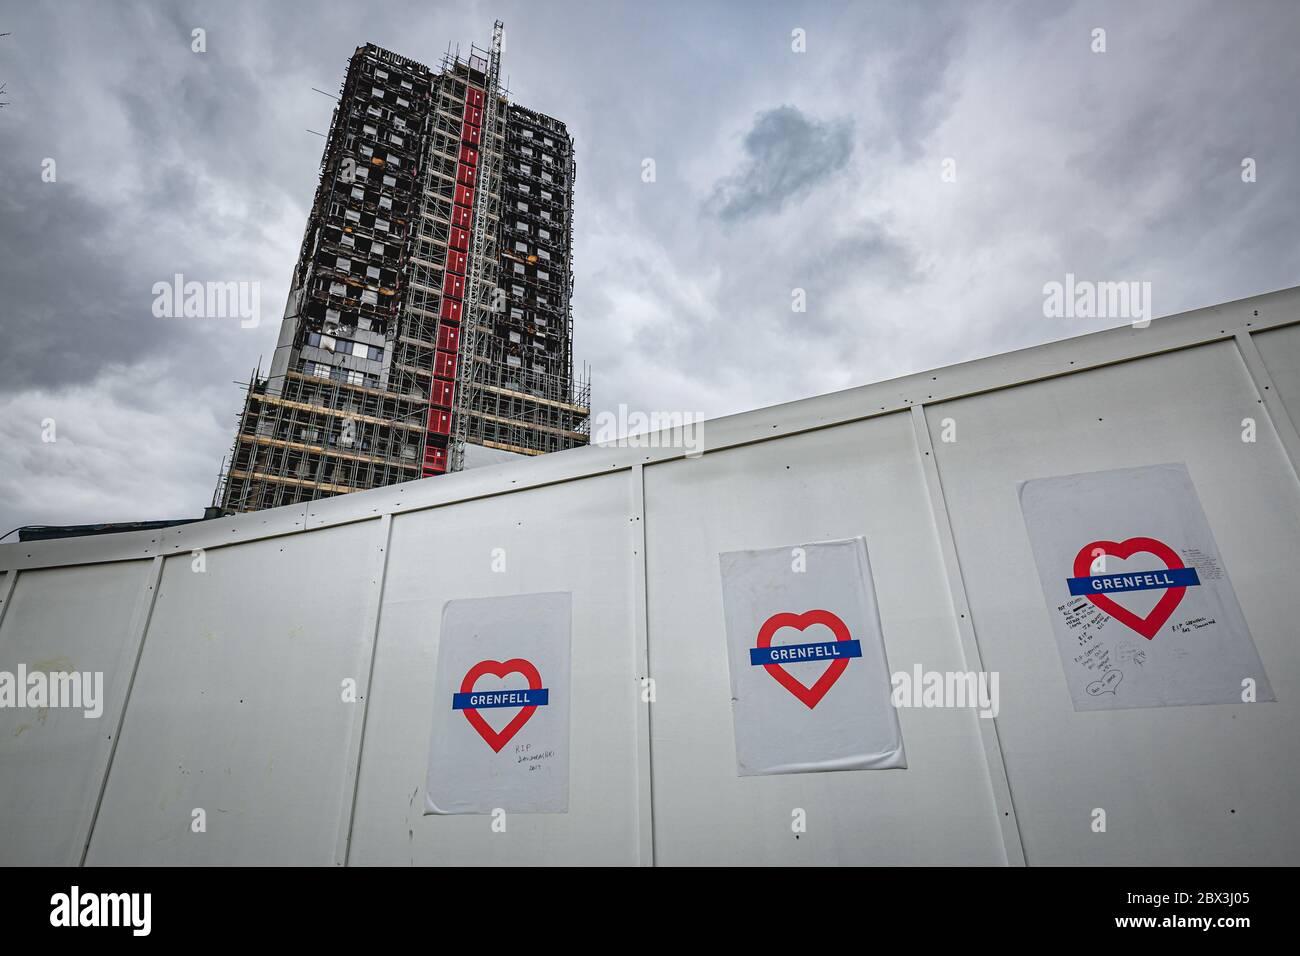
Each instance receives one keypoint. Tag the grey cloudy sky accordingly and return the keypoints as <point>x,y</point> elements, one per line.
<point>775,170</point>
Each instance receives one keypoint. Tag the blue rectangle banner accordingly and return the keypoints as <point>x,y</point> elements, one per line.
<point>480,699</point>
<point>1138,581</point>
<point>800,653</point>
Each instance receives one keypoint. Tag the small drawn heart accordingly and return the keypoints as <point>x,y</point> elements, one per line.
<point>1150,625</point>
<point>810,696</point>
<point>1107,684</point>
<point>498,739</point>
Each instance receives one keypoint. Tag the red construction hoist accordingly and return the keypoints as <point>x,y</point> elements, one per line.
<point>443,390</point>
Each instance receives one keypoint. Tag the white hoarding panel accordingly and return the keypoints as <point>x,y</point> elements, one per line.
<point>859,479</point>
<point>234,746</point>
<point>1158,773</point>
<point>810,687</point>
<point>500,735</point>
<point>573,537</point>
<point>74,620</point>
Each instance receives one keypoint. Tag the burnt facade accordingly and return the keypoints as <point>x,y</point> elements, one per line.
<point>429,319</point>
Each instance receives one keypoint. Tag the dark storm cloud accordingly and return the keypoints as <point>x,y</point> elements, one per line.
<point>72,287</point>
<point>787,153</point>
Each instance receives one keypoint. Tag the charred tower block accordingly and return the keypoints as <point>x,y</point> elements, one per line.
<point>429,325</point>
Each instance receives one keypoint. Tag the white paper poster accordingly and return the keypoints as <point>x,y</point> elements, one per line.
<point>810,684</point>
<point>501,707</point>
<point>1140,600</point>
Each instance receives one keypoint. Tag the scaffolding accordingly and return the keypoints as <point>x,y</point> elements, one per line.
<point>399,343</point>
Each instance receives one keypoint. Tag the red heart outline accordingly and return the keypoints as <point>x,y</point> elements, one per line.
<point>810,696</point>
<point>1150,625</point>
<point>515,665</point>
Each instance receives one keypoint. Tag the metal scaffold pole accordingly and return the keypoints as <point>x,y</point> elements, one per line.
<point>469,342</point>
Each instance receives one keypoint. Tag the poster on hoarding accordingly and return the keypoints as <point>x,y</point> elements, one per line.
<point>1141,604</point>
<point>810,686</point>
<point>500,736</point>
